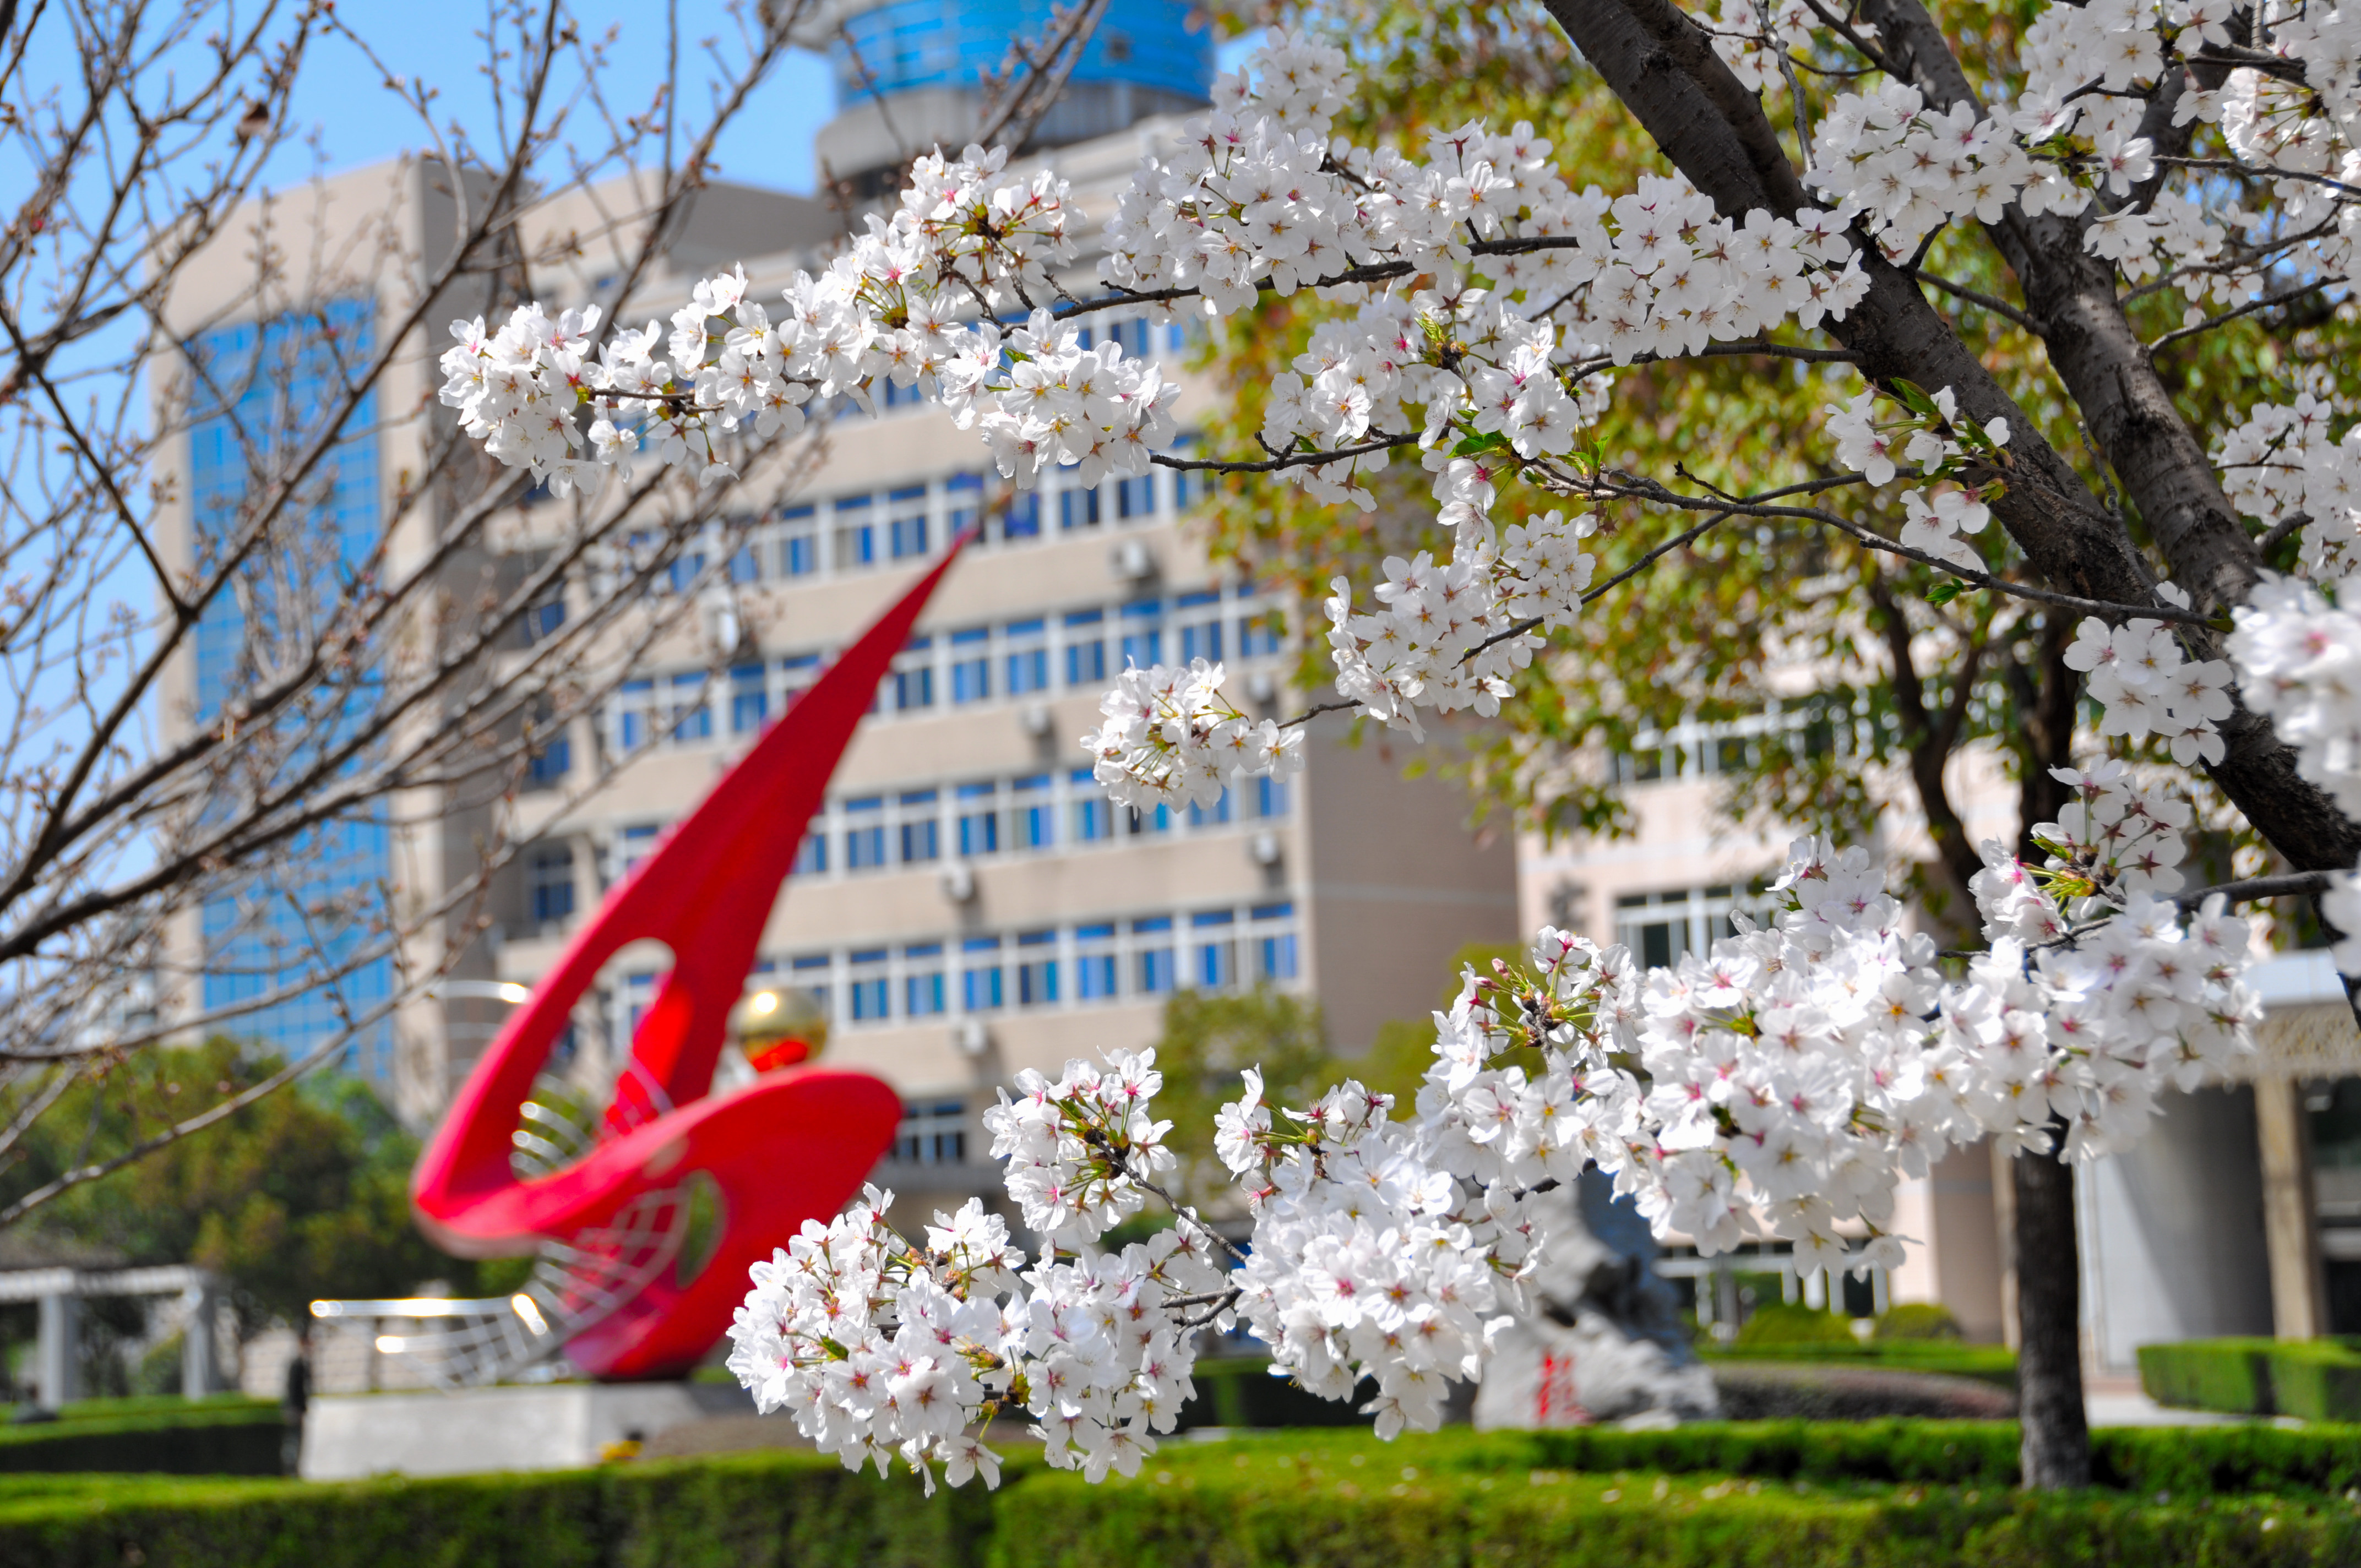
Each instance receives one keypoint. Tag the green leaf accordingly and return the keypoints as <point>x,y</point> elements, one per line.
<point>1946,591</point>
<point>1915,397</point>
<point>1475,445</point>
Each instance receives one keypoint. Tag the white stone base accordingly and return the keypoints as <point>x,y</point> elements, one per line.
<point>554,1426</point>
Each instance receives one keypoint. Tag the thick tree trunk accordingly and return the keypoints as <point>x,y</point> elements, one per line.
<point>2056,1450</point>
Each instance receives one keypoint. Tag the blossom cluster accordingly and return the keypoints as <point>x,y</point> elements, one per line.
<point>2298,664</point>
<point>2085,1023</point>
<point>1168,737</point>
<point>1933,439</point>
<point>1449,635</point>
<point>2281,461</point>
<point>1781,1084</point>
<point>883,1349</point>
<point>2148,686</point>
<point>879,1349</point>
<point>888,308</point>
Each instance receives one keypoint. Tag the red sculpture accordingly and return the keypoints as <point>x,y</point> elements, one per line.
<point>792,1145</point>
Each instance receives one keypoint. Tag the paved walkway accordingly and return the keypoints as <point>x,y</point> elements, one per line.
<point>2118,1402</point>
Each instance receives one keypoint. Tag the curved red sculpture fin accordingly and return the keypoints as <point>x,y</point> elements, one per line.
<point>707,892</point>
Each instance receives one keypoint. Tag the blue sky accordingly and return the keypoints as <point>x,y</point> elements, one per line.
<point>341,96</point>
<point>358,122</point>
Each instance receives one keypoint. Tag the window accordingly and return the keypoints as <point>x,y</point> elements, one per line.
<point>1078,509</point>
<point>1093,813</point>
<point>550,764</point>
<point>854,543</point>
<point>1136,498</point>
<point>1200,632</point>
<point>971,665</point>
<point>922,981</point>
<point>686,568</point>
<point>921,834</point>
<point>635,704</point>
<point>1142,634</point>
<point>1021,518</point>
<point>812,858</point>
<point>1271,796</point>
<point>867,986</point>
<point>1037,969</point>
<point>979,974</point>
<point>1140,822</point>
<point>638,990</point>
<point>1274,947</point>
<point>808,974</point>
<point>690,718</point>
<point>749,700</point>
<point>543,619</point>
<point>636,845</point>
<point>1645,763</point>
<point>1259,633</point>
<point>1187,486</point>
<point>1212,816</point>
<point>1085,649</point>
<point>800,670</point>
<point>1151,941</point>
<point>1216,949</point>
<point>798,543</point>
<point>1094,968</point>
<point>865,839</point>
<point>549,874</point>
<point>963,503</point>
<point>914,676</point>
<point>1659,927</point>
<point>934,1133</point>
<point>1029,657</point>
<point>906,530</point>
<point>1031,822</point>
<point>978,811</point>
<point>746,566</point>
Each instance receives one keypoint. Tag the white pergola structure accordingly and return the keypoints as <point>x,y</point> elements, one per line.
<point>60,1293</point>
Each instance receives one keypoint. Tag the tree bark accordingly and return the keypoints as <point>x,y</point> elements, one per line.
<point>2055,1450</point>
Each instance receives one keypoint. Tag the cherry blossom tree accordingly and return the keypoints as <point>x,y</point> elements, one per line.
<point>2142,173</point>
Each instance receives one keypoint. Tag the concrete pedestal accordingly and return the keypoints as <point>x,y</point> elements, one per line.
<point>553,1427</point>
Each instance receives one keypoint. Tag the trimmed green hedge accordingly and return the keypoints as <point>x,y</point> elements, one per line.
<point>227,1436</point>
<point>1987,1363</point>
<point>1557,1501</point>
<point>2318,1379</point>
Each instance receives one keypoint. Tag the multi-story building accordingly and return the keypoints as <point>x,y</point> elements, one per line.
<point>967,904</point>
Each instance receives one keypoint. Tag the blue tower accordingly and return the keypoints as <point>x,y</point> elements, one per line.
<point>909,74</point>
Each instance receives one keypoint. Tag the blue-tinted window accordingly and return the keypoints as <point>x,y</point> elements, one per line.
<point>745,565</point>
<point>971,665</point>
<point>1037,969</point>
<point>798,543</point>
<point>1086,662</point>
<point>549,875</point>
<point>635,724</point>
<point>750,703</point>
<point>855,535</point>
<point>964,496</point>
<point>1135,497</point>
<point>811,856</point>
<point>1029,657</point>
<point>921,834</point>
<point>1032,820</point>
<point>1078,509</point>
<point>979,984</point>
<point>1093,813</point>
<point>691,718</point>
<point>1142,634</point>
<point>1211,816</point>
<point>1152,940</point>
<point>1216,953</point>
<point>978,806</point>
<point>1094,967</point>
<point>1022,519</point>
<point>865,839</point>
<point>922,981</point>
<point>543,619</point>
<point>1270,796</point>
